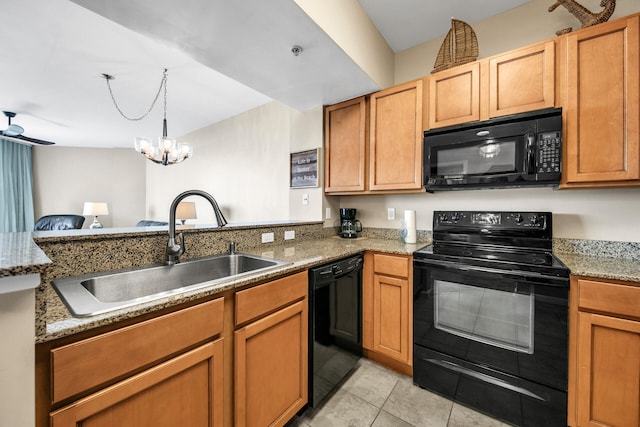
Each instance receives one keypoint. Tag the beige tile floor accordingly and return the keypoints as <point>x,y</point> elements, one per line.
<point>373,396</point>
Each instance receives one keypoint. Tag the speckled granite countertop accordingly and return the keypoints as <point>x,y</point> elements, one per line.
<point>19,255</point>
<point>301,254</point>
<point>601,267</point>
<point>600,258</point>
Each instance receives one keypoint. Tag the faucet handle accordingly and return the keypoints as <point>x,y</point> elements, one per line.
<point>181,244</point>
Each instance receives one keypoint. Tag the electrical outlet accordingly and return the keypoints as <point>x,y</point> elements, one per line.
<point>391,213</point>
<point>289,235</point>
<point>327,214</point>
<point>267,237</point>
<point>305,199</point>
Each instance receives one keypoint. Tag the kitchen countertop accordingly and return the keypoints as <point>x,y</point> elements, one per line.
<point>302,255</point>
<point>19,255</point>
<point>601,267</point>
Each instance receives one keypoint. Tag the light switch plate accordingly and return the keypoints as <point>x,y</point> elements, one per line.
<point>289,235</point>
<point>267,237</point>
<point>391,213</point>
<point>327,214</point>
<point>305,199</point>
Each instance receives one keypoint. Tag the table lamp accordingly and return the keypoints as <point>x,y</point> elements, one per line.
<point>95,209</point>
<point>185,211</point>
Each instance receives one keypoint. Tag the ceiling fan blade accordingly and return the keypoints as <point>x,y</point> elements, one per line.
<point>33,140</point>
<point>13,130</point>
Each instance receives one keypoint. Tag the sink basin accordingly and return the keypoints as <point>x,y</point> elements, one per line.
<point>101,292</point>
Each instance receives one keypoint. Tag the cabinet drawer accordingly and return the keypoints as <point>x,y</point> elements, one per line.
<point>259,300</point>
<point>391,265</point>
<point>89,363</point>
<point>609,297</point>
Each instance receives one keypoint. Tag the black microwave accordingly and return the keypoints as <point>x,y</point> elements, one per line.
<point>512,151</point>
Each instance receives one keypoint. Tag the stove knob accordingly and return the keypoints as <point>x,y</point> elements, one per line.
<point>535,220</point>
<point>518,218</point>
<point>443,217</point>
<point>455,217</point>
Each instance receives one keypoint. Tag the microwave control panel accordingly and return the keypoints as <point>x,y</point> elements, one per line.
<point>549,152</point>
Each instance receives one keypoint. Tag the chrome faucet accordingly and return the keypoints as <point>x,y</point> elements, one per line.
<point>174,250</point>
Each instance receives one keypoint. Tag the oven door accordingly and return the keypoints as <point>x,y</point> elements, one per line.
<point>512,322</point>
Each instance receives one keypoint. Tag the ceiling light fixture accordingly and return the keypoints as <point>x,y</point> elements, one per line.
<point>167,151</point>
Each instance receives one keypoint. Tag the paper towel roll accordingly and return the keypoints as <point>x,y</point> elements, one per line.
<point>410,225</point>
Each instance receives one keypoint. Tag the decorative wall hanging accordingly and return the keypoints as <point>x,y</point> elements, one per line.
<point>304,169</point>
<point>584,15</point>
<point>460,46</point>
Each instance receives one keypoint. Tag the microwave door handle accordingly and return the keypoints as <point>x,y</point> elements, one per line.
<point>530,161</point>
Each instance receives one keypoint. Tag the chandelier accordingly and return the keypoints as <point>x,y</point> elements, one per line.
<point>167,151</point>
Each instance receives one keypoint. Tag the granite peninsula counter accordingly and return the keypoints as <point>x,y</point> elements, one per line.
<point>58,254</point>
<point>63,254</point>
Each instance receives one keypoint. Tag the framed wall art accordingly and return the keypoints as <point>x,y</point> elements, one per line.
<point>304,169</point>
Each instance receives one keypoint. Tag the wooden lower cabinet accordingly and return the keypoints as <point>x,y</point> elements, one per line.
<point>604,385</point>
<point>271,353</point>
<point>387,310</point>
<point>164,371</point>
<point>186,390</point>
<point>238,360</point>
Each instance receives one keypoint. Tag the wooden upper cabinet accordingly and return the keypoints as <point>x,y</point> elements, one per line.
<point>454,96</point>
<point>345,145</point>
<point>602,116</point>
<point>522,80</point>
<point>395,142</point>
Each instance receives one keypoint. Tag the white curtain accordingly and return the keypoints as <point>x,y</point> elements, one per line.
<point>16,187</point>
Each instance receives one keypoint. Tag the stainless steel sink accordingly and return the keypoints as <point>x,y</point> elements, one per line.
<point>93,294</point>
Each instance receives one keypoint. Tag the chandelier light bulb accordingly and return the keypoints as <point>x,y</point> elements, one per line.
<point>167,151</point>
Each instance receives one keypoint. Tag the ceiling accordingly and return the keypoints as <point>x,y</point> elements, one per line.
<point>223,58</point>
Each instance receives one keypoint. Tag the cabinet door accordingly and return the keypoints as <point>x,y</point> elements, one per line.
<point>391,317</point>
<point>396,129</point>
<point>268,352</point>
<point>345,145</point>
<point>608,371</point>
<point>454,96</point>
<point>522,80</point>
<point>602,116</point>
<point>186,390</point>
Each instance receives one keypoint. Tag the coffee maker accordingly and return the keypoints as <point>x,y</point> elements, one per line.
<point>349,225</point>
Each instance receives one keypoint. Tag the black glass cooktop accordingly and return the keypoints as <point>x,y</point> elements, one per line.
<point>513,259</point>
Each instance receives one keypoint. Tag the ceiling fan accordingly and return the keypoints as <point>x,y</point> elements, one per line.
<point>15,132</point>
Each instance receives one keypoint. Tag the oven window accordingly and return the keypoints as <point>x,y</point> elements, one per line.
<point>499,318</point>
<point>479,159</point>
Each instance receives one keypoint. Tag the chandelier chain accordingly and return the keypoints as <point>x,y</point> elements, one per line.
<point>163,83</point>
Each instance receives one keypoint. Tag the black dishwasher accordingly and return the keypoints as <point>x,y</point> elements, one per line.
<point>335,324</point>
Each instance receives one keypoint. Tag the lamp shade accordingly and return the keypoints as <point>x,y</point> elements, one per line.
<point>95,208</point>
<point>186,210</point>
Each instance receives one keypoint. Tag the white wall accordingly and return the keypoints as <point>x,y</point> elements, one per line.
<point>66,177</point>
<point>17,358</point>
<point>306,134</point>
<point>243,162</point>
<point>603,214</point>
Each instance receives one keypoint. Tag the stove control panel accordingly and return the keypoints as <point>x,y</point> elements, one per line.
<point>500,220</point>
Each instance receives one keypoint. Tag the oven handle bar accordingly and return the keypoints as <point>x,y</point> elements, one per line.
<point>486,378</point>
<point>448,265</point>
